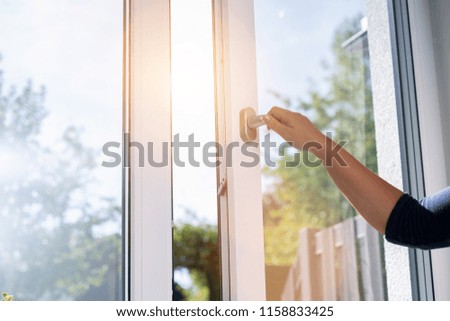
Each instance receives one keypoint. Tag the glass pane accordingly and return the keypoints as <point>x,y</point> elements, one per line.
<point>196,249</point>
<point>313,57</point>
<point>60,102</point>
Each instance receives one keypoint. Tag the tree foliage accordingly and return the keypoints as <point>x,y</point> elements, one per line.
<point>51,246</point>
<point>195,247</point>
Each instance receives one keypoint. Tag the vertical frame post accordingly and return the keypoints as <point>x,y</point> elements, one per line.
<point>241,202</point>
<point>409,131</point>
<point>150,122</point>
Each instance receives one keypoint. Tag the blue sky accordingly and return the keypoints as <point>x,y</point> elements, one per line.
<point>293,37</point>
<point>74,49</point>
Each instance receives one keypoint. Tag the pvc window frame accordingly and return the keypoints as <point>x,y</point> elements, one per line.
<point>409,134</point>
<point>240,203</point>
<point>147,192</point>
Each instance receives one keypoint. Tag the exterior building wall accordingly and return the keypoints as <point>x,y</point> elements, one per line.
<point>387,137</point>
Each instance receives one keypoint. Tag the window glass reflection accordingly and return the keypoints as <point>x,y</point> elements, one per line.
<point>60,101</point>
<point>313,58</point>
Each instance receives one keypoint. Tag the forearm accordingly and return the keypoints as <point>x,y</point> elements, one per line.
<point>370,195</point>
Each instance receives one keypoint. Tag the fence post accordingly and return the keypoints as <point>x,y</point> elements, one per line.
<point>347,276</point>
<point>325,251</point>
<point>370,261</point>
<point>309,266</point>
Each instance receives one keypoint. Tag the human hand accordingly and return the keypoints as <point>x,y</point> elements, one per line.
<point>294,127</point>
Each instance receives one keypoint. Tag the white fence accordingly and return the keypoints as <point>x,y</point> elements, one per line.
<point>342,262</point>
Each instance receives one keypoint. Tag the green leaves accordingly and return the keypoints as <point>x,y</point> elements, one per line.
<point>196,248</point>
<point>7,297</point>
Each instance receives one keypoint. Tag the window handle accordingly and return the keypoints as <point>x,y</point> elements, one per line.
<point>256,121</point>
<point>249,122</point>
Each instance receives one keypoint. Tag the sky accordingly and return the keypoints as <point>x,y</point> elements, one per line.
<point>73,48</point>
<point>293,38</point>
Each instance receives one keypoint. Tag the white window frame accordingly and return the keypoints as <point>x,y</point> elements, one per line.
<point>148,85</point>
<point>431,111</point>
<point>240,205</point>
<point>148,82</point>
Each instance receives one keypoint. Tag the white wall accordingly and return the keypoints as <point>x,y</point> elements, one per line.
<point>387,137</point>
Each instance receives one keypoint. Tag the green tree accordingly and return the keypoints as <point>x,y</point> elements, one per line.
<point>51,247</point>
<point>307,197</point>
<point>195,247</point>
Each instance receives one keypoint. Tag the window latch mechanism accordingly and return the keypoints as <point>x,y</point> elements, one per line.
<point>222,187</point>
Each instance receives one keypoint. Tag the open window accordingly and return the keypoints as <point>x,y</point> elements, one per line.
<point>175,215</point>
<point>283,53</point>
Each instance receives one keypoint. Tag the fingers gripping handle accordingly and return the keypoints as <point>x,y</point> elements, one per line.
<point>254,122</point>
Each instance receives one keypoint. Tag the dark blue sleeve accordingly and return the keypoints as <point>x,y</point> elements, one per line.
<point>423,224</point>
